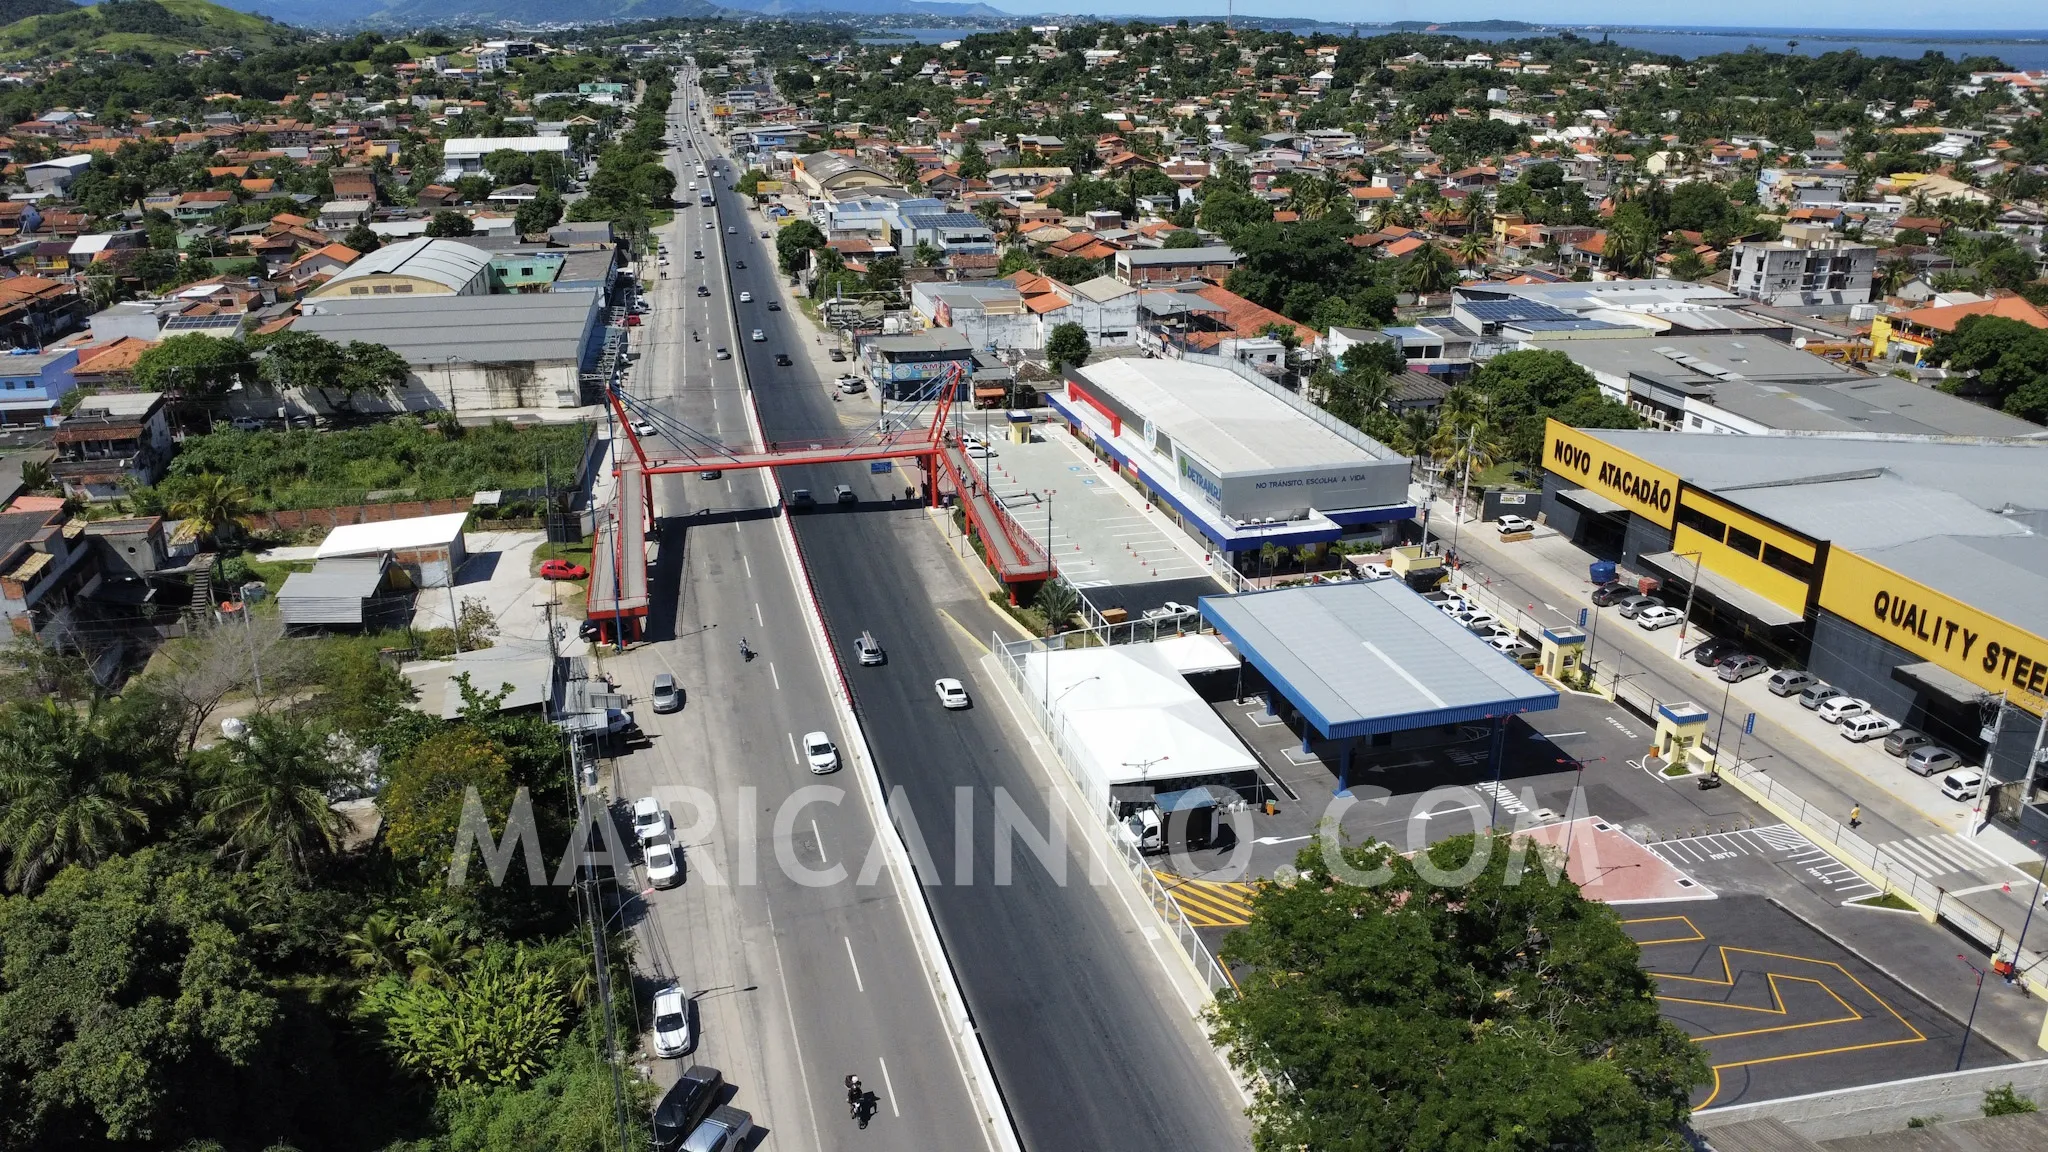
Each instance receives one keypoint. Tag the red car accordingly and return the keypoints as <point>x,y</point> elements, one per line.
<point>563,570</point>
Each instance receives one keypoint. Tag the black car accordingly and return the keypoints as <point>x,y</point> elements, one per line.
<point>782,359</point>
<point>1607,594</point>
<point>1713,651</point>
<point>685,1106</point>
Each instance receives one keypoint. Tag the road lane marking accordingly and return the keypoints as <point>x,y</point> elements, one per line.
<point>1432,813</point>
<point>749,564</point>
<point>792,749</point>
<point>757,611</point>
<point>774,677</point>
<point>889,1085</point>
<point>819,838</point>
<point>849,953</point>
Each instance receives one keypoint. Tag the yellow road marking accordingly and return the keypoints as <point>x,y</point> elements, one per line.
<point>1209,903</point>
<point>1727,980</point>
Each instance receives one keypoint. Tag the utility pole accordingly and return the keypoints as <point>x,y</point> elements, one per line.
<point>1685,620</point>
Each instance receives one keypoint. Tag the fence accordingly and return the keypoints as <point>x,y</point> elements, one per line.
<point>1011,655</point>
<point>1886,869</point>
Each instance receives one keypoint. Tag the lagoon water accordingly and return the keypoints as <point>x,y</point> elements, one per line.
<point>2017,49</point>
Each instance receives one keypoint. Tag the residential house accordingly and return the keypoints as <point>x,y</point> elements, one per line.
<point>1105,308</point>
<point>35,311</point>
<point>110,441</point>
<point>43,564</point>
<point>1139,267</point>
<point>1910,335</point>
<point>33,382</point>
<point>354,184</point>
<point>109,366</point>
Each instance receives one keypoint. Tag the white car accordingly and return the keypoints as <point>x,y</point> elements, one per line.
<point>759,336</point>
<point>664,864</point>
<point>1171,610</point>
<point>952,693</point>
<point>970,441</point>
<point>1481,623</point>
<point>1964,784</point>
<point>650,819</point>
<point>1841,708</point>
<point>731,231</point>
<point>643,428</point>
<point>1516,524</point>
<point>1453,606</point>
<point>1375,572</point>
<point>1658,616</point>
<point>819,751</point>
<point>746,297</point>
<point>708,224</point>
<point>671,1021</point>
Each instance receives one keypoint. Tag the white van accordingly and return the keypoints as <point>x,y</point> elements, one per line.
<point>1964,784</point>
<point>1868,726</point>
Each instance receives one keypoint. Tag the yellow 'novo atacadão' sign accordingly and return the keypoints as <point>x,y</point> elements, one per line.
<point>1642,488</point>
<point>1982,649</point>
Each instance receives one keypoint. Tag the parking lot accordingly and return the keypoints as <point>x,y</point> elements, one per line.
<point>1784,1011</point>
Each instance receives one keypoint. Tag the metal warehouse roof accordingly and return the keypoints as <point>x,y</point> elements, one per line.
<point>450,263</point>
<point>1230,423</point>
<point>1366,657</point>
<point>432,330</point>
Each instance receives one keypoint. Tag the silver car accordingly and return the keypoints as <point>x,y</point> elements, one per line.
<point>1634,605</point>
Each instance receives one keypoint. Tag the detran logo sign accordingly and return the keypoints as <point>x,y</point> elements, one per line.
<point>1209,486</point>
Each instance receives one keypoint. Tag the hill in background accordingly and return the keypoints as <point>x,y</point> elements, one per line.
<point>12,10</point>
<point>157,26</point>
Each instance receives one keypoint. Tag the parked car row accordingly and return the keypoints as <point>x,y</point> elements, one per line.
<point>1500,636</point>
<point>1859,723</point>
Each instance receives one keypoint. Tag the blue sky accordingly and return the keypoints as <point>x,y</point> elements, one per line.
<point>1847,14</point>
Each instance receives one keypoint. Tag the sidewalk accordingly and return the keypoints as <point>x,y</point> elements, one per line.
<point>1545,581</point>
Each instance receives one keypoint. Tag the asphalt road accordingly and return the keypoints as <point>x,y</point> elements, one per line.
<point>794,983</point>
<point>1090,1045</point>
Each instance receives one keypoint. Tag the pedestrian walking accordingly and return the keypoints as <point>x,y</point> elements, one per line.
<point>1855,815</point>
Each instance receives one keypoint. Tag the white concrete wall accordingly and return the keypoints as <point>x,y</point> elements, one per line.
<point>1884,1107</point>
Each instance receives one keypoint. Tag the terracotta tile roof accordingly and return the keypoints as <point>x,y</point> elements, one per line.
<point>1944,319</point>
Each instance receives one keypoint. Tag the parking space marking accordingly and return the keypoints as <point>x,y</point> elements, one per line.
<point>1779,842</point>
<point>1849,1002</point>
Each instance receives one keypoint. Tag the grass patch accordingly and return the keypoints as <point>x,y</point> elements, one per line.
<point>1675,770</point>
<point>406,459</point>
<point>1890,900</point>
<point>271,572</point>
<point>1031,618</point>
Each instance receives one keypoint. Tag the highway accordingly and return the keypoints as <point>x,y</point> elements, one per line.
<point>794,984</point>
<point>1092,1047</point>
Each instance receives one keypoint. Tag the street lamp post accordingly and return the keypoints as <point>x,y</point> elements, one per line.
<point>1971,1022</point>
<point>1685,620</point>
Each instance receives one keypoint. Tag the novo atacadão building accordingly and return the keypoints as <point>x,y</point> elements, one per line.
<point>1911,571</point>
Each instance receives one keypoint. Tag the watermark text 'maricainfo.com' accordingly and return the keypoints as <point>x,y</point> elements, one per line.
<point>984,836</point>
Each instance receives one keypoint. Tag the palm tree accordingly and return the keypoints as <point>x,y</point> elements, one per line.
<point>216,502</point>
<point>1316,196</point>
<point>70,793</point>
<point>1058,601</point>
<point>1893,275</point>
<point>1631,244</point>
<point>267,794</point>
<point>1473,249</point>
<point>438,951</point>
<point>1428,270</point>
<point>378,947</point>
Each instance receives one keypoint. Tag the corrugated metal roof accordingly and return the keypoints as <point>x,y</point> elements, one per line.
<point>332,593</point>
<point>539,327</point>
<point>1361,658</point>
<point>446,262</point>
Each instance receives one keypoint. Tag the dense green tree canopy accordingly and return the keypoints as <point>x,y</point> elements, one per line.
<point>1446,1012</point>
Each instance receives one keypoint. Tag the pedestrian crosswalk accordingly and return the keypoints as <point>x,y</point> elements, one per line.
<point>1936,856</point>
<point>1209,903</point>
